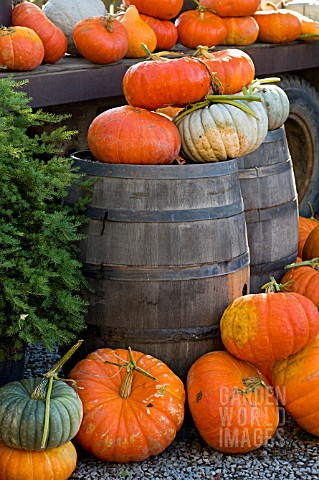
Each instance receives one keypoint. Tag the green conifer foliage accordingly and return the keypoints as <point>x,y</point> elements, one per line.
<point>40,276</point>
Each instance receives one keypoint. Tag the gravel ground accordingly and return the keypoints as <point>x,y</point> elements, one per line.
<point>290,454</point>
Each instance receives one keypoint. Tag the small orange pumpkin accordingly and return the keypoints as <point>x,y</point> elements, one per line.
<point>277,25</point>
<point>27,14</point>
<point>200,27</point>
<point>163,9</point>
<point>101,40</point>
<point>20,48</point>
<point>240,30</point>
<point>305,226</point>
<point>138,32</point>
<point>303,278</point>
<point>231,403</point>
<point>165,31</point>
<point>311,246</point>
<point>53,464</point>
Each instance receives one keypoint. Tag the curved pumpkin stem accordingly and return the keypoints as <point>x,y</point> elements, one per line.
<point>314,263</point>
<point>273,286</point>
<point>130,366</point>
<point>251,384</point>
<point>44,388</point>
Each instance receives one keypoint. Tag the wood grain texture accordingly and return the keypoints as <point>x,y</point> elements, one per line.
<point>271,208</point>
<point>168,260</point>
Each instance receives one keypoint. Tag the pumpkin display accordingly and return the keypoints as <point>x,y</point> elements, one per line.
<point>303,278</point>
<point>277,26</point>
<point>275,101</point>
<point>231,68</point>
<point>163,10</point>
<point>66,13</point>
<point>269,326</point>
<point>297,382</point>
<point>232,8</point>
<point>138,33</point>
<point>101,40</point>
<point>23,410</point>
<point>231,403</point>
<point>27,14</point>
<point>200,27</point>
<point>240,30</point>
<point>311,246</point>
<point>54,464</point>
<point>305,226</point>
<point>133,404</point>
<point>20,48</point>
<point>165,31</point>
<point>221,131</point>
<point>156,83</point>
<point>133,135</point>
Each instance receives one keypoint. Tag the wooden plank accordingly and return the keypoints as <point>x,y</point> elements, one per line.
<point>75,79</point>
<point>5,12</point>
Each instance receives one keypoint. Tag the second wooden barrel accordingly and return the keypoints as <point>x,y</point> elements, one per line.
<point>165,252</point>
<point>271,208</point>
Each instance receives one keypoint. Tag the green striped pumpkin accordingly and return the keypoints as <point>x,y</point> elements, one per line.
<point>22,416</point>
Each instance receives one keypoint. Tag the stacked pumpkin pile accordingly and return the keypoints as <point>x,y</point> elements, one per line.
<point>38,419</point>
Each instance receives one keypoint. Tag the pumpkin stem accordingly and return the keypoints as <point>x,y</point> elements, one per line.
<point>272,5</point>
<point>130,366</point>
<point>44,388</point>
<point>272,286</point>
<point>109,23</point>
<point>250,384</point>
<point>314,263</point>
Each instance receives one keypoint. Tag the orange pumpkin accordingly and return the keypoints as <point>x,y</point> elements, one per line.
<point>165,31</point>
<point>133,135</point>
<point>305,226</point>
<point>156,84</point>
<point>163,9</point>
<point>277,26</point>
<point>296,381</point>
<point>311,246</point>
<point>240,30</point>
<point>231,403</point>
<point>133,404</point>
<point>101,40</point>
<point>54,464</point>
<point>265,327</point>
<point>138,33</point>
<point>200,27</point>
<point>29,15</point>
<point>303,278</point>
<point>232,8</point>
<point>231,68</point>
<point>20,48</point>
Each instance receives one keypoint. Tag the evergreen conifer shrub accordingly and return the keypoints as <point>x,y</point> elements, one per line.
<point>40,277</point>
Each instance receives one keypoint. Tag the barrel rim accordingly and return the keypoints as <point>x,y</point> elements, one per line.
<point>82,161</point>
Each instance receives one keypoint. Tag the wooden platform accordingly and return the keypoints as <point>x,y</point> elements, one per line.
<point>75,79</point>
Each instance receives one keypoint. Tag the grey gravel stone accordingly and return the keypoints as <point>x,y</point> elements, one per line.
<point>290,454</point>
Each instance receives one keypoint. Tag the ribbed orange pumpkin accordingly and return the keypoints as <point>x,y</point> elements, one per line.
<point>277,26</point>
<point>306,225</point>
<point>231,403</point>
<point>232,8</point>
<point>101,40</point>
<point>232,68</point>
<point>157,84</point>
<point>200,27</point>
<point>165,31</point>
<point>29,15</point>
<point>128,416</point>
<point>240,30</point>
<point>269,326</point>
<point>311,246</point>
<point>162,9</point>
<point>304,279</point>
<point>20,48</point>
<point>133,135</point>
<point>54,464</point>
<point>296,380</point>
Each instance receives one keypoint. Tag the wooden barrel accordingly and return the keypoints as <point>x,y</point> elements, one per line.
<point>271,208</point>
<point>165,252</point>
